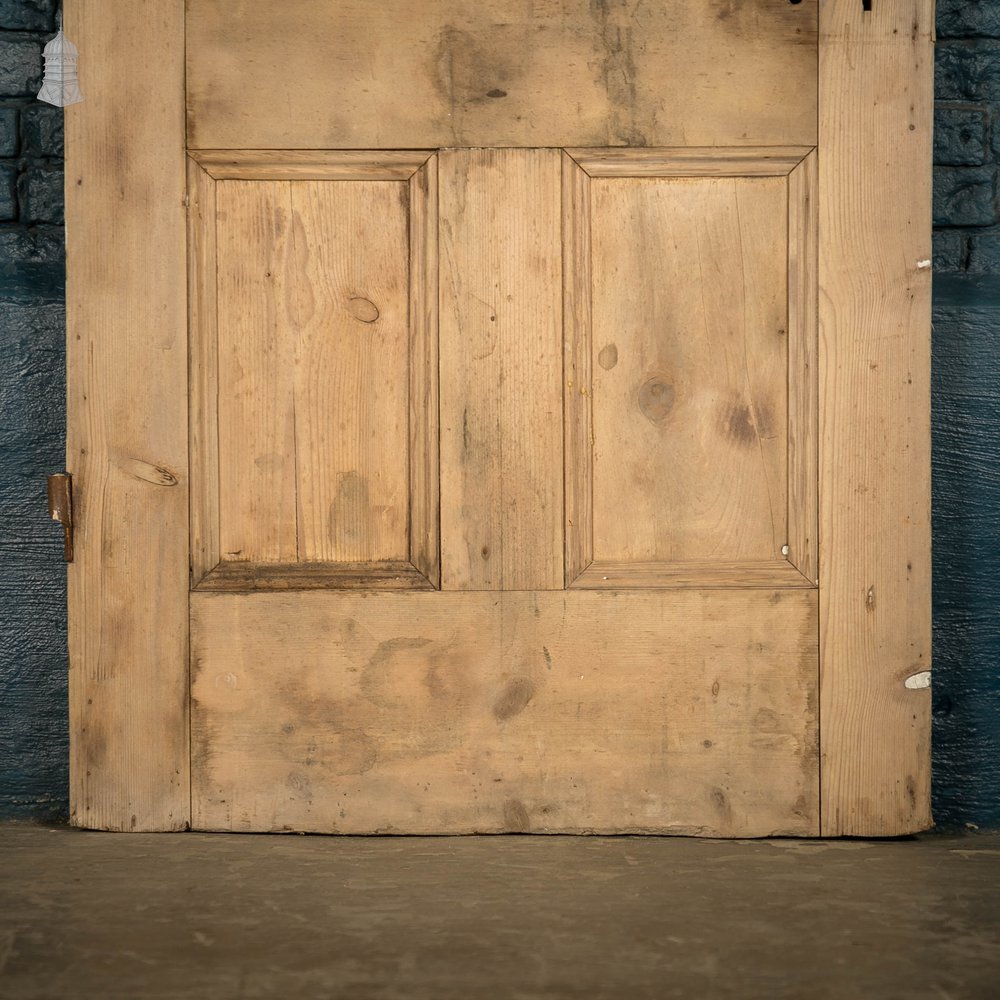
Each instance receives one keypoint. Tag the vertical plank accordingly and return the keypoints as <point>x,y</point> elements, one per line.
<point>127,418</point>
<point>204,373</point>
<point>501,373</point>
<point>689,368</point>
<point>875,211</point>
<point>803,414</point>
<point>425,550</point>
<point>577,381</point>
<point>256,409</point>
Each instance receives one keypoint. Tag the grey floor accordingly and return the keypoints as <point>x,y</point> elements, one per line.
<point>87,915</point>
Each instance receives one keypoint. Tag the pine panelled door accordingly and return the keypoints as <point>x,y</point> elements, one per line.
<point>500,416</point>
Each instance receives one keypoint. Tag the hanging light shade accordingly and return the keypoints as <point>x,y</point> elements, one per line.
<point>60,85</point>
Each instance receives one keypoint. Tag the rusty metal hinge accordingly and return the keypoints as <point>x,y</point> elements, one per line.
<point>61,508</point>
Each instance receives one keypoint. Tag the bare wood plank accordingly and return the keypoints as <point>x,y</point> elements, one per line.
<point>127,416</point>
<point>501,394</point>
<point>539,712</point>
<point>803,367</point>
<point>256,355</point>
<point>577,346</point>
<point>874,313</point>
<point>608,575</point>
<point>425,544</point>
<point>489,72</point>
<point>237,577</point>
<point>310,164</point>
<point>204,373</point>
<point>348,313</point>
<point>750,161</point>
<point>689,369</point>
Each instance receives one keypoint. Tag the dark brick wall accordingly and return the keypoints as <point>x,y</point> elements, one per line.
<point>33,741</point>
<point>966,415</point>
<point>33,730</point>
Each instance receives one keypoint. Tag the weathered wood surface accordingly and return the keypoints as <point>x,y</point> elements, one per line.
<point>689,368</point>
<point>127,419</point>
<point>501,371</point>
<point>404,74</point>
<point>690,712</point>
<point>876,105</point>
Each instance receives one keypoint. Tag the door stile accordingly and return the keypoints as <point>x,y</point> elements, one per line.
<point>127,419</point>
<point>876,102</point>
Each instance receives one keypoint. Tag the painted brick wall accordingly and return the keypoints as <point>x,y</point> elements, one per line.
<point>966,415</point>
<point>33,741</point>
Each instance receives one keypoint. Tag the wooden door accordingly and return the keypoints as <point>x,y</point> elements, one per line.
<point>512,420</point>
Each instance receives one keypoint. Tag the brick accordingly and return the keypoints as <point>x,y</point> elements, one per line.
<point>42,130</point>
<point>40,190</point>
<point>964,196</point>
<point>962,19</point>
<point>984,253</point>
<point>949,250</point>
<point>20,65</point>
<point>960,136</point>
<point>8,132</point>
<point>8,196</point>
<point>967,72</point>
<point>28,15</point>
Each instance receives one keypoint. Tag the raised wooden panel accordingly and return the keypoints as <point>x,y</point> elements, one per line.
<point>501,351</point>
<point>311,352</point>
<point>691,374</point>
<point>673,712</point>
<point>401,74</point>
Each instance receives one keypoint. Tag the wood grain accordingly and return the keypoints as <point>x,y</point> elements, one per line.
<point>681,161</point>
<point>689,369</point>
<point>404,74</point>
<point>690,712</point>
<point>424,428</point>
<point>313,304</point>
<point>874,310</point>
<point>310,164</point>
<point>127,419</point>
<point>236,577</point>
<point>803,367</point>
<point>501,371</point>
<point>770,574</point>
<point>577,378</point>
<point>203,367</point>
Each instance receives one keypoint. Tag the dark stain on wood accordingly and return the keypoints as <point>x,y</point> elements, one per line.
<point>608,357</point>
<point>738,424</point>
<point>514,698</point>
<point>515,816</point>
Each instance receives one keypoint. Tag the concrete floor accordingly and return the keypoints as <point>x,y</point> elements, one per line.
<point>92,915</point>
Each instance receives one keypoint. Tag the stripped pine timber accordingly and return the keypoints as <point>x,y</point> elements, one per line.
<point>310,164</point>
<point>313,302</point>
<point>203,384</point>
<point>691,712</point>
<point>875,295</point>
<point>766,574</point>
<point>501,393</point>
<point>690,369</point>
<point>577,375</point>
<point>127,409</point>
<point>405,74</point>
<point>237,577</point>
<point>766,161</point>
<point>803,366</point>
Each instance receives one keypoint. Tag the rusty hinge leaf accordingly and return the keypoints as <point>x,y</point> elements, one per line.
<point>61,508</point>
